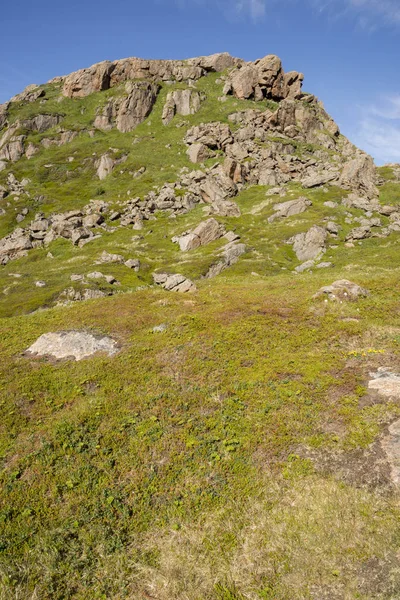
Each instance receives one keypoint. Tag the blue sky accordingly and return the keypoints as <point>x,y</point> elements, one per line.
<point>349,50</point>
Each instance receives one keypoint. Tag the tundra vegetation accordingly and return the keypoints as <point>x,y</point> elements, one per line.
<point>231,445</point>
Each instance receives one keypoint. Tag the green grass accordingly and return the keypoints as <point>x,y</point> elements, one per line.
<point>220,459</point>
<point>104,459</point>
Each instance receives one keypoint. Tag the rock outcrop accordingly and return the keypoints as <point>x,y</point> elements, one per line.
<point>181,102</point>
<point>128,112</point>
<point>264,78</point>
<point>105,75</point>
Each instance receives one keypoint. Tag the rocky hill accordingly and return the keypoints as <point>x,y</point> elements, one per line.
<point>236,440</point>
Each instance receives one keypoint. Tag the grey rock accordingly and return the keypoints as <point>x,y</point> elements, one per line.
<point>206,232</point>
<point>310,245</point>
<point>230,255</point>
<point>181,102</point>
<point>93,220</point>
<point>306,266</point>
<point>359,175</point>
<point>290,208</point>
<point>133,263</point>
<point>318,178</point>
<point>174,283</point>
<point>359,233</point>
<point>198,153</point>
<point>343,289</point>
<point>72,344</point>
<point>107,257</point>
<point>105,166</point>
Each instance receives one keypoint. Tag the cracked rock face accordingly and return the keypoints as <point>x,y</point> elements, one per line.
<point>72,344</point>
<point>180,102</point>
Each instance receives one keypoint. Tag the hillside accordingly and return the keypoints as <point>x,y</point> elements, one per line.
<point>237,434</point>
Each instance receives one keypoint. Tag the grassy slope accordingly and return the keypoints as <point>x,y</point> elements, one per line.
<point>181,468</point>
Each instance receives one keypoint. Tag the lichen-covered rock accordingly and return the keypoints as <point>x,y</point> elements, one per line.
<point>72,344</point>
<point>343,289</point>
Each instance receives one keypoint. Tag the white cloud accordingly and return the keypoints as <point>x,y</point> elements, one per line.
<point>365,11</point>
<point>256,8</point>
<point>369,14</point>
<point>379,130</point>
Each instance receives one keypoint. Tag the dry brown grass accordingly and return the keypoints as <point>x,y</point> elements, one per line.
<point>289,542</point>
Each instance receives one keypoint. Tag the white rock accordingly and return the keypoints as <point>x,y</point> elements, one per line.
<point>72,344</point>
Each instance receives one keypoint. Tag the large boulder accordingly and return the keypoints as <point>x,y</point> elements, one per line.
<point>359,175</point>
<point>244,82</point>
<point>290,208</point>
<point>264,78</point>
<point>180,102</point>
<point>343,289</point>
<point>309,245</point>
<point>206,232</point>
<point>198,153</point>
<point>72,344</point>
<point>174,283</point>
<point>105,166</point>
<point>215,62</point>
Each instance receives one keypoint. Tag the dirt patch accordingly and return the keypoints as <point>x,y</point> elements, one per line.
<point>361,467</point>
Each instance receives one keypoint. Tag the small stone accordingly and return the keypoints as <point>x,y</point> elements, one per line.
<point>133,263</point>
<point>40,284</point>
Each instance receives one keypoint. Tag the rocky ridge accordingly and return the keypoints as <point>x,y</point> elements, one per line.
<point>292,141</point>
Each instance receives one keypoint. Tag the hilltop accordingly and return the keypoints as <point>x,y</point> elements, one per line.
<point>222,263</point>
